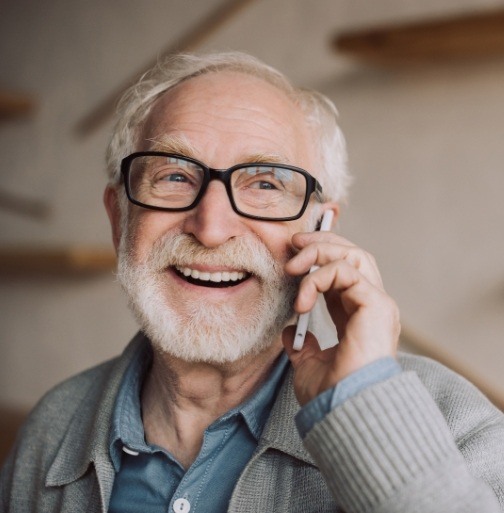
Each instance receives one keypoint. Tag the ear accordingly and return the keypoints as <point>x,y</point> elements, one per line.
<point>111,202</point>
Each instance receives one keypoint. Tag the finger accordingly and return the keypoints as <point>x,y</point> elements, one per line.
<point>302,239</point>
<point>345,291</point>
<point>339,279</point>
<point>359,309</point>
<point>322,253</point>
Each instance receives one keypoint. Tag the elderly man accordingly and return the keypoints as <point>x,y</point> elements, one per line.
<point>219,172</point>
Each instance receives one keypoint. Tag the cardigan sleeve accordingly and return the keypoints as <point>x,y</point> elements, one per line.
<point>392,449</point>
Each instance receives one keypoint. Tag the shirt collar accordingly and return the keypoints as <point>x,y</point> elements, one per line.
<point>127,427</point>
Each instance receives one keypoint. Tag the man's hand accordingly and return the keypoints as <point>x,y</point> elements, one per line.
<point>366,318</point>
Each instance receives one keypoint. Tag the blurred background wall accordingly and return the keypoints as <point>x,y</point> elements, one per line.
<point>425,142</point>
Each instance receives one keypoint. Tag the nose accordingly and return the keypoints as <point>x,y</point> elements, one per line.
<point>213,221</point>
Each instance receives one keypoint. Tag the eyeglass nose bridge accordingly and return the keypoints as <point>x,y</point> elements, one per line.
<point>221,175</point>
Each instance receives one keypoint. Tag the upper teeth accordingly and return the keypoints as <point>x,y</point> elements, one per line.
<point>215,277</point>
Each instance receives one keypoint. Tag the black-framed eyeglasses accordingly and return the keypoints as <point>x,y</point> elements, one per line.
<point>175,183</point>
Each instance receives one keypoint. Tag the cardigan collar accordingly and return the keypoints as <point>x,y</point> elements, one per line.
<point>87,439</point>
<point>280,431</point>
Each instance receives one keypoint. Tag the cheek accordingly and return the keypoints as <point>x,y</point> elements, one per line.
<point>278,241</point>
<point>147,227</point>
<point>278,238</point>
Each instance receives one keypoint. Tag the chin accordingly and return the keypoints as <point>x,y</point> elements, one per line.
<point>214,334</point>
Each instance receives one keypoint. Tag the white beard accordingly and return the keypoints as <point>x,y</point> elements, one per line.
<point>214,333</point>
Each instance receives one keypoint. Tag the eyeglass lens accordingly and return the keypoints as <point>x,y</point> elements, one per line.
<point>257,190</point>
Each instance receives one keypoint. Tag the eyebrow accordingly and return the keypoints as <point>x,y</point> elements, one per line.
<point>180,144</point>
<point>267,158</point>
<point>174,144</point>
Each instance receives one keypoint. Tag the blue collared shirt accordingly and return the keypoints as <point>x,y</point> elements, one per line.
<point>149,478</point>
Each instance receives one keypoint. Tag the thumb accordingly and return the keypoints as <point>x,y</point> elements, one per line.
<point>310,347</point>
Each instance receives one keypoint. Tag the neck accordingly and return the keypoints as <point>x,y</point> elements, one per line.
<point>181,399</point>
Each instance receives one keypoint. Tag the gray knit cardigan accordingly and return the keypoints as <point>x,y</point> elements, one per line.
<point>423,441</point>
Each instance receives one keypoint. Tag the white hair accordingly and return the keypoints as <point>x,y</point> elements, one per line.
<point>321,114</point>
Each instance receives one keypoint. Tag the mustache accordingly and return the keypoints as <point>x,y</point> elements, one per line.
<point>245,253</point>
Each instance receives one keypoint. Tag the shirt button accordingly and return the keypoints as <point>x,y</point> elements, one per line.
<point>181,506</point>
<point>127,450</point>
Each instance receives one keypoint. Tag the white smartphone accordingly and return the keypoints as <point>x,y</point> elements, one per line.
<point>304,319</point>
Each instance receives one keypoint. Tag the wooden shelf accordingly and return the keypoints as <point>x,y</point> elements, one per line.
<point>18,261</point>
<point>11,419</point>
<point>13,105</point>
<point>478,35</point>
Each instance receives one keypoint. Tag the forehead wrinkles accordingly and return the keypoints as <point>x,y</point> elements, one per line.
<point>203,115</point>
<point>235,104</point>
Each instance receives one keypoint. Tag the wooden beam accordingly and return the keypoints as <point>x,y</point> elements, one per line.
<point>11,419</point>
<point>472,36</point>
<point>13,105</point>
<point>190,41</point>
<point>20,261</point>
<point>30,207</point>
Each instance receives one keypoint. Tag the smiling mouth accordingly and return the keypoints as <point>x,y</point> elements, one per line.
<point>219,279</point>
